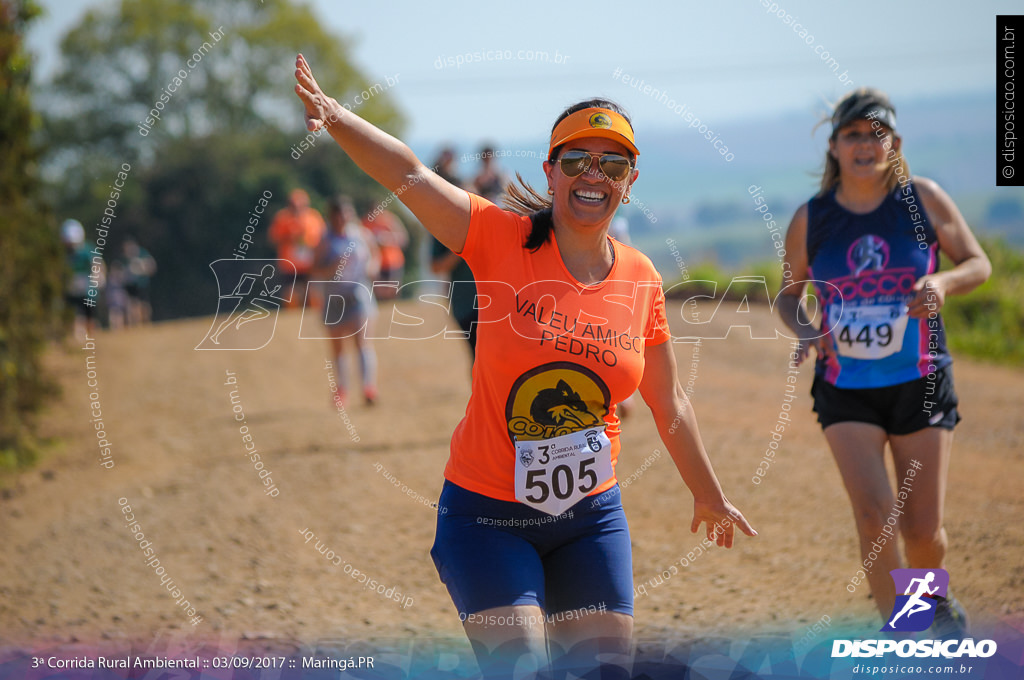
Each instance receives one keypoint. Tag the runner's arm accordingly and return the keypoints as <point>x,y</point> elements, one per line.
<point>677,426</point>
<point>972,266</point>
<point>791,298</point>
<point>441,207</point>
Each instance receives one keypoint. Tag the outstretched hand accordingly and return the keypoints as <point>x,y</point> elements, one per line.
<point>721,519</point>
<point>320,109</point>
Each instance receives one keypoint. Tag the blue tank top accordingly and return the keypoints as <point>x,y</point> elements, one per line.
<point>864,268</point>
<point>348,256</point>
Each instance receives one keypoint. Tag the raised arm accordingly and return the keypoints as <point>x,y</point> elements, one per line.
<point>441,207</point>
<point>972,266</point>
<point>677,426</point>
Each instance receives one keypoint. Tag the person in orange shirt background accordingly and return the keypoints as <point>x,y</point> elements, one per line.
<point>392,237</point>
<point>296,231</point>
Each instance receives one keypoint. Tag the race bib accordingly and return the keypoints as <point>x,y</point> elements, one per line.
<point>554,474</point>
<point>869,331</point>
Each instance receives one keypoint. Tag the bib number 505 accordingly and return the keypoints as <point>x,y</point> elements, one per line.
<point>562,481</point>
<point>554,474</point>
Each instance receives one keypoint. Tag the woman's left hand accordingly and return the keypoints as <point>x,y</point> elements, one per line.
<point>321,110</point>
<point>721,519</point>
<point>929,297</point>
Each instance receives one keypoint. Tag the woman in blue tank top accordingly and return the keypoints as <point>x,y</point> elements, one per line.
<point>869,243</point>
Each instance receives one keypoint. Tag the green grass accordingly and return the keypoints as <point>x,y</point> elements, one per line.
<point>988,322</point>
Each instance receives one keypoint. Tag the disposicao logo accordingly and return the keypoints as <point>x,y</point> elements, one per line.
<point>914,611</point>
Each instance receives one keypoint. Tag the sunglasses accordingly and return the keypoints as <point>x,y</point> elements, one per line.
<point>614,166</point>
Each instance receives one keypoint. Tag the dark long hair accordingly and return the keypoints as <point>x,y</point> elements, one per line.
<point>522,198</point>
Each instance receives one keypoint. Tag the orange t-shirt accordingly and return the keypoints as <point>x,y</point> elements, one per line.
<point>553,356</point>
<point>297,236</point>
<point>388,235</point>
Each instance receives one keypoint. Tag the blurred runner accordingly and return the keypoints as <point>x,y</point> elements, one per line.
<point>117,296</point>
<point>391,238</point>
<point>76,291</point>
<point>870,239</point>
<point>491,181</point>
<point>296,232</point>
<point>444,261</point>
<point>348,259</point>
<point>139,267</point>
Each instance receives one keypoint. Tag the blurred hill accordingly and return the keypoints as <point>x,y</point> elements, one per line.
<point>687,192</point>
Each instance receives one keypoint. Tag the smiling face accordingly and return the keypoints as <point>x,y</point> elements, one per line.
<point>591,198</point>
<point>862,152</point>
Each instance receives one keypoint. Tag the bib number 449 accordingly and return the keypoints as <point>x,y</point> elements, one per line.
<point>882,335</point>
<point>869,331</point>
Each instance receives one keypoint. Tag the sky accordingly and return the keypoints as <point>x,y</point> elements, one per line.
<point>723,61</point>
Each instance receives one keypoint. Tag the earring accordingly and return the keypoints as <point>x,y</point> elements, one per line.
<point>551,192</point>
<point>625,199</point>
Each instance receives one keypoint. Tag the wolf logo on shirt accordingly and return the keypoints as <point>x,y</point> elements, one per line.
<point>556,399</point>
<point>561,406</point>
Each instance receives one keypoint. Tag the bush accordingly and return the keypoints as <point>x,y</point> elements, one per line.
<point>30,277</point>
<point>988,322</point>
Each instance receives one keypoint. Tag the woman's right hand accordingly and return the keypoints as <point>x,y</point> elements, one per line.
<point>821,344</point>
<point>320,109</point>
<point>444,209</point>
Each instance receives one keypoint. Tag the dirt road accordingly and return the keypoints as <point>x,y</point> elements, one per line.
<point>238,553</point>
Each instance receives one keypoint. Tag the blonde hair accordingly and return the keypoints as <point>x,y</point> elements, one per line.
<point>864,103</point>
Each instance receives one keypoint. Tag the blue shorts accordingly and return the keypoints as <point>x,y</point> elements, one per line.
<point>346,309</point>
<point>491,553</point>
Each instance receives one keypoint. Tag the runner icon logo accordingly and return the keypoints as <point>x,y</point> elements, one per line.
<point>914,610</point>
<point>257,288</point>
<point>868,253</point>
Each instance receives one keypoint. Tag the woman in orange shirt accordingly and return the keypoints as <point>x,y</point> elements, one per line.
<point>532,527</point>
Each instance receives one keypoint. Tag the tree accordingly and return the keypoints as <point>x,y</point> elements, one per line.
<point>192,68</point>
<point>32,264</point>
<point>220,136</point>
